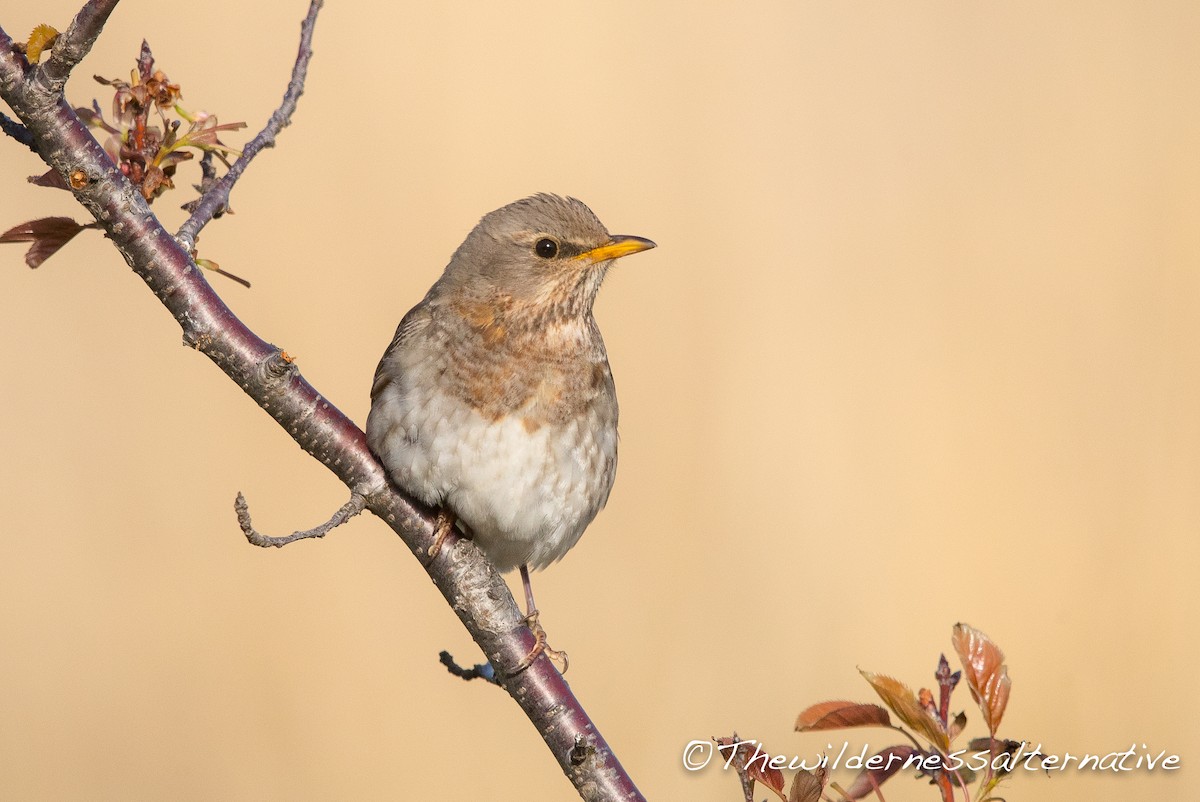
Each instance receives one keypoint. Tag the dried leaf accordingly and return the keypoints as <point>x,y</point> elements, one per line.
<point>925,699</point>
<point>838,715</point>
<point>154,182</point>
<point>958,725</point>
<point>47,235</point>
<point>869,779</point>
<point>807,786</point>
<point>903,702</point>
<point>42,38</point>
<point>206,136</point>
<point>987,676</point>
<point>995,748</point>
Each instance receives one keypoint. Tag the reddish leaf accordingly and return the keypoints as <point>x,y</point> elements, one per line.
<point>838,715</point>
<point>807,786</point>
<point>51,179</point>
<point>752,764</point>
<point>47,235</point>
<point>987,676</point>
<point>765,774</point>
<point>737,760</point>
<point>903,702</point>
<point>870,779</point>
<point>772,778</point>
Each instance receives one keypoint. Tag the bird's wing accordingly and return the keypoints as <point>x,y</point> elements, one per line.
<point>416,321</point>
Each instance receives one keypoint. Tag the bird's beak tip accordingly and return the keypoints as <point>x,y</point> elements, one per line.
<point>619,245</point>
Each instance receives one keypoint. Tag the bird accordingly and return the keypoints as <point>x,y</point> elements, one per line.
<point>495,401</point>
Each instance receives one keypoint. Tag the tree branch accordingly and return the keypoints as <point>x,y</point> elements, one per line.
<point>470,584</point>
<point>76,41</point>
<point>216,198</point>
<point>353,507</point>
<point>17,131</point>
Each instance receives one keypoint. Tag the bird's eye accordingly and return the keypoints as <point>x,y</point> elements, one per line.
<point>546,248</point>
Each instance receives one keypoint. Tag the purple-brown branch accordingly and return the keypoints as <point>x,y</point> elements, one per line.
<point>464,576</point>
<point>216,198</point>
<point>12,128</point>
<point>74,43</point>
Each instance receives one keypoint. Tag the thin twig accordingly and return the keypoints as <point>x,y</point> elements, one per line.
<point>482,671</point>
<point>216,199</point>
<point>17,131</point>
<point>354,506</point>
<point>76,41</point>
<point>208,177</point>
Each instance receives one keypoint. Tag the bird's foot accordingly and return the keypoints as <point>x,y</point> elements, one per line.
<point>540,646</point>
<point>441,531</point>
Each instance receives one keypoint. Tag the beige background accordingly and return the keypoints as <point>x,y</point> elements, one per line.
<point>920,344</point>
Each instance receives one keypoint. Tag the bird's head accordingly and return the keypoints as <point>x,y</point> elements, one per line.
<point>544,255</point>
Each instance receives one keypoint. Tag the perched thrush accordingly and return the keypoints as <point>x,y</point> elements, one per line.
<point>495,401</point>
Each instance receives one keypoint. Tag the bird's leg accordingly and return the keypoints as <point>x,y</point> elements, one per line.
<point>531,620</point>
<point>441,530</point>
<point>530,605</point>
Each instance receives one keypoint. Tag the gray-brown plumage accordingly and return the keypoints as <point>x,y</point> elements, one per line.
<point>495,400</point>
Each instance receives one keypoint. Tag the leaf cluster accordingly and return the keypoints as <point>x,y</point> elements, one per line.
<point>925,721</point>
<point>149,136</point>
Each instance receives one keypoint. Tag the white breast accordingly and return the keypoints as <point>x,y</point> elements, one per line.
<point>525,495</point>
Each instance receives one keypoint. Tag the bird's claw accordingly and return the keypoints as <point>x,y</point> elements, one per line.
<point>441,531</point>
<point>540,646</point>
